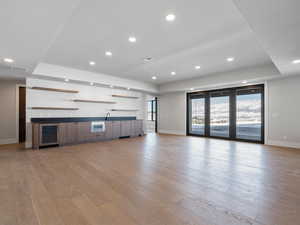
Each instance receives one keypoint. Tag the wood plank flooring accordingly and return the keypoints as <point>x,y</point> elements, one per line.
<point>151,180</point>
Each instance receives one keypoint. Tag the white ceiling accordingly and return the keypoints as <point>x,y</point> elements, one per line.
<point>29,27</point>
<point>72,32</point>
<point>276,24</point>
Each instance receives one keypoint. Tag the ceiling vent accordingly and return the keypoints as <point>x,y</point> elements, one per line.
<point>147,59</point>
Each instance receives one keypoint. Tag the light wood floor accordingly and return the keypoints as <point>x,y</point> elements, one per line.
<point>152,180</point>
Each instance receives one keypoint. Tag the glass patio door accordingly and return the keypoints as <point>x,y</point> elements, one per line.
<point>197,115</point>
<point>231,113</point>
<point>219,115</point>
<point>249,115</point>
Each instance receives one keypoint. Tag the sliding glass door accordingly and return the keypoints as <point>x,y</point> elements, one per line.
<point>249,115</point>
<point>219,116</point>
<point>197,115</point>
<point>235,113</point>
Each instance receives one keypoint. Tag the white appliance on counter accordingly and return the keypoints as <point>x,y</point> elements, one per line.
<point>97,126</point>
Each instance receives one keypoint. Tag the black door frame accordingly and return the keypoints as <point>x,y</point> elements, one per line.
<point>21,92</point>
<point>156,113</point>
<point>232,104</point>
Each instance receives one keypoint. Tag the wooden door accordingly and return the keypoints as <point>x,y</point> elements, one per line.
<point>116,129</point>
<point>72,133</point>
<point>84,132</point>
<point>134,129</point>
<point>22,114</point>
<point>108,130</point>
<point>125,128</point>
<point>62,134</point>
<point>139,127</point>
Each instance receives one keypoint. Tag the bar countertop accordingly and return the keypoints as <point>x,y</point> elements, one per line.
<point>79,119</point>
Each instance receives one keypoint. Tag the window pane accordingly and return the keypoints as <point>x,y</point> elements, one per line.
<point>219,116</point>
<point>150,106</point>
<point>198,116</point>
<point>249,117</point>
<point>149,116</point>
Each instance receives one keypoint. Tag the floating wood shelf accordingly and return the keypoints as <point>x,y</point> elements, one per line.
<point>53,108</point>
<point>125,96</point>
<point>125,110</point>
<point>55,90</point>
<point>93,101</point>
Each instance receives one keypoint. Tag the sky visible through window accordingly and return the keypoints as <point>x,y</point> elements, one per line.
<point>248,108</point>
<point>219,110</point>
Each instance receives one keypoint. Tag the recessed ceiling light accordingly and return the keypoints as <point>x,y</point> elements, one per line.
<point>128,88</point>
<point>296,61</point>
<point>154,78</point>
<point>108,53</point>
<point>132,39</point>
<point>111,86</point>
<point>173,73</point>
<point>67,80</point>
<point>197,67</point>
<point>92,83</point>
<point>8,60</point>
<point>170,17</point>
<point>92,63</point>
<point>192,89</point>
<point>230,59</point>
<point>244,82</point>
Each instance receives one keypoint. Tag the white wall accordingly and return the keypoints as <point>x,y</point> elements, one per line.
<point>38,98</point>
<point>172,113</point>
<point>8,112</point>
<point>284,112</point>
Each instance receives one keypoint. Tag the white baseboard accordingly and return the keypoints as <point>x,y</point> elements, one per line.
<point>283,143</point>
<point>8,141</point>
<point>175,132</point>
